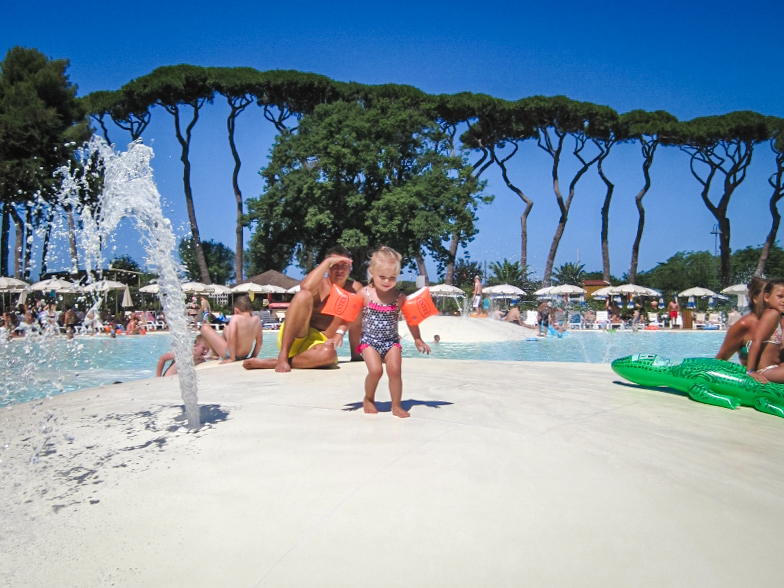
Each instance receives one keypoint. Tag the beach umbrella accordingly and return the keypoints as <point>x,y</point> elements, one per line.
<point>544,291</point>
<point>736,290</point>
<point>56,285</point>
<point>194,287</point>
<point>220,290</point>
<point>293,289</point>
<point>691,303</point>
<point>566,289</point>
<point>603,292</point>
<point>503,291</point>
<point>272,289</point>
<point>739,290</point>
<point>247,288</point>
<point>446,291</point>
<point>22,298</point>
<point>698,292</point>
<point>105,286</point>
<point>127,301</point>
<point>633,289</point>
<point>150,289</point>
<point>8,284</point>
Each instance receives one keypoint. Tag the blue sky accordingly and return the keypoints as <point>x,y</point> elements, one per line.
<point>691,59</point>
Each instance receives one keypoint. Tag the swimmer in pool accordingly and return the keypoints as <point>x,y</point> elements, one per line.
<point>200,349</point>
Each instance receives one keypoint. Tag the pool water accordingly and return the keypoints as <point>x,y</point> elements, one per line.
<point>37,369</point>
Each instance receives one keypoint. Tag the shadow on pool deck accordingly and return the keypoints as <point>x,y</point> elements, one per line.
<point>664,389</point>
<point>406,404</point>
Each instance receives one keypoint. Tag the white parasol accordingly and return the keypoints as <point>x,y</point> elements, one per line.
<point>566,289</point>
<point>697,292</point>
<point>12,285</point>
<point>251,287</point>
<point>194,287</point>
<point>105,286</point>
<point>56,285</point>
<point>544,291</point>
<point>150,289</point>
<point>127,301</point>
<point>503,291</point>
<point>445,291</point>
<point>220,290</point>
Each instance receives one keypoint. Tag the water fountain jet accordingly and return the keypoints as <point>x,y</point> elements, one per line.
<point>129,191</point>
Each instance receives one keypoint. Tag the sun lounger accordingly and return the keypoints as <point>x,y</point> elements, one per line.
<point>602,319</point>
<point>531,318</point>
<point>267,322</point>
<point>576,321</point>
<point>699,320</point>
<point>714,318</point>
<point>653,319</point>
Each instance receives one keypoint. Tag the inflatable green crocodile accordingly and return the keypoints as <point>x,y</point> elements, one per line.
<point>711,381</point>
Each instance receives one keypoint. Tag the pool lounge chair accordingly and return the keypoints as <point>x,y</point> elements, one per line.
<point>576,321</point>
<point>153,324</point>
<point>715,319</point>
<point>267,322</point>
<point>653,319</point>
<point>699,320</point>
<point>531,318</point>
<point>602,319</point>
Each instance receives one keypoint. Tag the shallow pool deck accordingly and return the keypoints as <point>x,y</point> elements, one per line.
<point>506,474</point>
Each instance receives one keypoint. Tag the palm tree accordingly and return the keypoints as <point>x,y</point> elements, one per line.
<point>569,273</point>
<point>507,273</point>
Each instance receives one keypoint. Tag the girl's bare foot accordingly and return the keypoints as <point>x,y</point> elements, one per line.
<point>399,412</point>
<point>369,406</point>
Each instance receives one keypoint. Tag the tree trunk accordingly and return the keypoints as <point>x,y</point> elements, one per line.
<point>47,235</point>
<point>724,249</point>
<point>72,239</point>
<point>28,246</point>
<point>231,124</point>
<point>564,206</point>
<point>186,181</point>
<point>606,219</point>
<point>648,149</point>
<point>450,266</point>
<point>529,204</point>
<point>477,169</point>
<point>777,183</point>
<point>420,260</point>
<point>19,230</point>
<point>774,229</point>
<point>4,235</point>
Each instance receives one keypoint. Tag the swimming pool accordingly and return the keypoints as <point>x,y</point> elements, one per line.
<point>34,370</point>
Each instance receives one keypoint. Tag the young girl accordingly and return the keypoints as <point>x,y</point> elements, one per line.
<point>380,342</point>
<point>764,362</point>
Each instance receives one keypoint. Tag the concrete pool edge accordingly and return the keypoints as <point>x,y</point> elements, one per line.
<point>546,472</point>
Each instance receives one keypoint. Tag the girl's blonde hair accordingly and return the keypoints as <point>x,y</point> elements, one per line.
<point>385,256</point>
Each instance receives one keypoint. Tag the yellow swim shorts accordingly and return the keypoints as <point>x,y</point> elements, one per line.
<point>309,341</point>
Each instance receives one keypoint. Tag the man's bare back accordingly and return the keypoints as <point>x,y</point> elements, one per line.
<point>242,337</point>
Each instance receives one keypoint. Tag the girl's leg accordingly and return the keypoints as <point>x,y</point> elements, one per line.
<point>375,369</point>
<point>774,375</point>
<point>394,360</point>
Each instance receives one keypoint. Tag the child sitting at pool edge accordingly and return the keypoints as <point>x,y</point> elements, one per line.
<point>380,342</point>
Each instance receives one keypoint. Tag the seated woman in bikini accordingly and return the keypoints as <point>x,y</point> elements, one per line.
<point>739,336</point>
<point>764,363</point>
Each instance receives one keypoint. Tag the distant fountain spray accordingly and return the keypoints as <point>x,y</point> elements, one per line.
<point>129,191</point>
